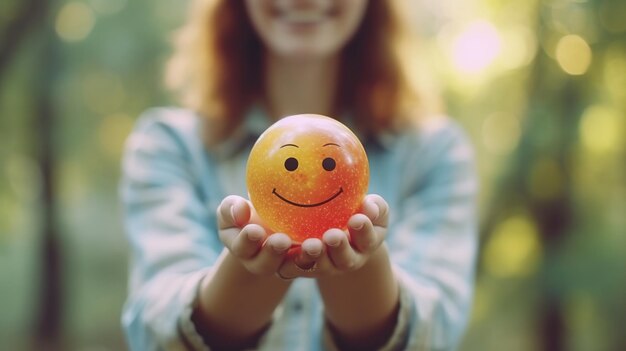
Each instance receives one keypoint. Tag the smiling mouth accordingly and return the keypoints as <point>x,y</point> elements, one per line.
<point>308,205</point>
<point>298,14</point>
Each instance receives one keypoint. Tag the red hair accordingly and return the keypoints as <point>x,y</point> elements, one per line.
<point>217,67</point>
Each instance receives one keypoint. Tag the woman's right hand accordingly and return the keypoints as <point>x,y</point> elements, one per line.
<point>241,231</point>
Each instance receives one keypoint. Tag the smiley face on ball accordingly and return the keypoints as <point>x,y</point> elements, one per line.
<point>307,174</point>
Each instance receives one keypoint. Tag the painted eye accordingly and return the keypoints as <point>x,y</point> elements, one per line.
<point>329,164</point>
<point>291,164</point>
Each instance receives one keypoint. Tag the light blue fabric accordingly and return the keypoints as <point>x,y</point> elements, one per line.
<point>172,185</point>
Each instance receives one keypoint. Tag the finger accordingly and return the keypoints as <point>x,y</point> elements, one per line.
<point>303,260</point>
<point>234,211</point>
<point>339,250</point>
<point>271,255</point>
<point>363,235</point>
<point>376,209</point>
<point>311,250</point>
<point>248,242</point>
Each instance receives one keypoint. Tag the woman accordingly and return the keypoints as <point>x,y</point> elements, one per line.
<point>205,274</point>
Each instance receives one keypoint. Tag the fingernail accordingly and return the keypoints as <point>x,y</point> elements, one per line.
<point>280,249</point>
<point>359,226</point>
<point>334,242</point>
<point>314,253</point>
<point>255,236</point>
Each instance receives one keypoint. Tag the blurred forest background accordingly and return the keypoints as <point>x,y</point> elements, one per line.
<point>540,85</point>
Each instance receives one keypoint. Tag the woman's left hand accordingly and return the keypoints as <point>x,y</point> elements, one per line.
<point>341,251</point>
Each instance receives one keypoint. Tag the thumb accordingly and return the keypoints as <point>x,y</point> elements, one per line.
<point>234,211</point>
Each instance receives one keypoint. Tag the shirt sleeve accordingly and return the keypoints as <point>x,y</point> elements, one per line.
<point>170,229</point>
<point>433,243</point>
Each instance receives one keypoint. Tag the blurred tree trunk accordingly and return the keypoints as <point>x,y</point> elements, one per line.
<point>35,16</point>
<point>554,107</point>
<point>50,301</point>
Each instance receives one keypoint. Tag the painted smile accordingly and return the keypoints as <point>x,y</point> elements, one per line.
<point>308,205</point>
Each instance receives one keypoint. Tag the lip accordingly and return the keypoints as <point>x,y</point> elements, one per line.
<point>304,17</point>
<point>308,205</point>
<point>310,16</point>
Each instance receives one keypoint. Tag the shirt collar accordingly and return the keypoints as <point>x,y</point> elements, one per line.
<point>256,122</point>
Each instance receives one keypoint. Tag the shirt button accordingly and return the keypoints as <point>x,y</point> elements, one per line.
<point>297,306</point>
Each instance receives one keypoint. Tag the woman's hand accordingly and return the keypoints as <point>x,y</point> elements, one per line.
<point>341,251</point>
<point>242,233</point>
<point>241,279</point>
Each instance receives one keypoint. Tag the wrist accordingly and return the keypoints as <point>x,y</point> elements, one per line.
<point>361,306</point>
<point>235,306</point>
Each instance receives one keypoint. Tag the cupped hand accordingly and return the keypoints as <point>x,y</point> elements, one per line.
<point>340,251</point>
<point>243,235</point>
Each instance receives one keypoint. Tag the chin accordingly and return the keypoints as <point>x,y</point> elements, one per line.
<point>306,52</point>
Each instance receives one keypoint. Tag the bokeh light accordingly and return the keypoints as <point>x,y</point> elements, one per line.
<point>74,21</point>
<point>602,129</point>
<point>573,54</point>
<point>514,249</point>
<point>476,47</point>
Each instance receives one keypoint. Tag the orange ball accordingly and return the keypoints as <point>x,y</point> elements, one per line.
<point>307,174</point>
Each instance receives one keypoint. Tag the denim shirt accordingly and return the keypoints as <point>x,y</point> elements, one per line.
<point>172,185</point>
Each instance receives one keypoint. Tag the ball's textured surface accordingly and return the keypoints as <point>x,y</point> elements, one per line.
<point>307,174</point>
